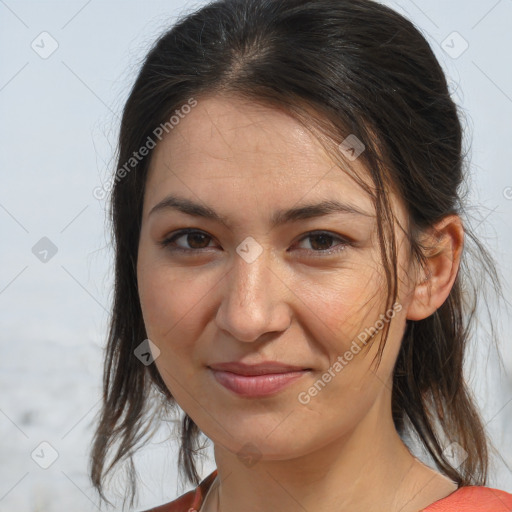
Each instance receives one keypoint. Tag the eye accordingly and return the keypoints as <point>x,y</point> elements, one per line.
<point>320,242</point>
<point>196,239</point>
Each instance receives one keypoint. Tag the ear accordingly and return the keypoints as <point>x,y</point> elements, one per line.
<point>443,249</point>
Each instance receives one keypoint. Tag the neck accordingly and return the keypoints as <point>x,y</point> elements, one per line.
<point>369,469</point>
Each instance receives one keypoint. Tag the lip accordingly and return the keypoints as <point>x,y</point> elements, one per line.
<point>263,368</point>
<point>258,380</point>
<point>257,385</point>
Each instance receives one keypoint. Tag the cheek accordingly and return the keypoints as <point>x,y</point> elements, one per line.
<point>170,304</point>
<point>346,315</point>
<point>158,299</point>
<point>176,305</point>
<point>343,302</point>
<point>166,299</point>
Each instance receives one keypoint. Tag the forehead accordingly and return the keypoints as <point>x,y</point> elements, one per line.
<point>226,144</point>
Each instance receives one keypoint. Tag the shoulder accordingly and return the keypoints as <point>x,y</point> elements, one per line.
<point>474,499</point>
<point>190,501</point>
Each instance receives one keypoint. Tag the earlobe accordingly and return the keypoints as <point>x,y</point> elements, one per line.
<point>444,243</point>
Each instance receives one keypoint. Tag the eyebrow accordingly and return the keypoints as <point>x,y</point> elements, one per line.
<point>279,218</point>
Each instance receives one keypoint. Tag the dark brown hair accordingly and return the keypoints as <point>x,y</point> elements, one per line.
<point>343,67</point>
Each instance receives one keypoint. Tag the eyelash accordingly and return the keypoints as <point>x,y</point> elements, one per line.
<point>344,242</point>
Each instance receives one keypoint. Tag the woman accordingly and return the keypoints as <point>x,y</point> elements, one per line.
<point>290,264</point>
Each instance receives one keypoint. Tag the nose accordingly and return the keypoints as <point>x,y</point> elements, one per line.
<point>254,300</point>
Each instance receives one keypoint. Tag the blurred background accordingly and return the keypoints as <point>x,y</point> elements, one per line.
<point>66,69</point>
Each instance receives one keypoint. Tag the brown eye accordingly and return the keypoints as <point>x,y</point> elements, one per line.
<point>195,240</point>
<point>322,242</point>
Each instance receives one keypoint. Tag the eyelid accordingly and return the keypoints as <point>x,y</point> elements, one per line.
<point>344,241</point>
<point>178,234</point>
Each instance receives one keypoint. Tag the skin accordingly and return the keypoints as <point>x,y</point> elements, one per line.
<point>294,304</point>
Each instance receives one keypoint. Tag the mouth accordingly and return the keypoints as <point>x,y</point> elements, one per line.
<point>263,368</point>
<point>257,384</point>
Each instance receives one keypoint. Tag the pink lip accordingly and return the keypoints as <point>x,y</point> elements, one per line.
<point>256,385</point>
<point>256,380</point>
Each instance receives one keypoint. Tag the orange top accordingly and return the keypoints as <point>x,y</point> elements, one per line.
<point>465,499</point>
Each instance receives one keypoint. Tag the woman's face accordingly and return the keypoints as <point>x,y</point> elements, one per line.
<point>271,281</point>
